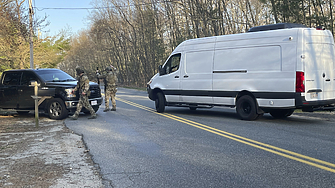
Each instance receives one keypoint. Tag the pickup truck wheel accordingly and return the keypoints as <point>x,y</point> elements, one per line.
<point>279,114</point>
<point>246,108</point>
<point>56,109</point>
<point>160,102</point>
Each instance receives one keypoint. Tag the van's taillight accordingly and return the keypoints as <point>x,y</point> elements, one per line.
<point>300,82</point>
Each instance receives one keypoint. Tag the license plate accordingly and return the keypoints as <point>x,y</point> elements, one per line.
<point>94,102</point>
<point>314,95</point>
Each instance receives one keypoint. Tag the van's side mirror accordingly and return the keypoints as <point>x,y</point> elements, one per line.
<point>161,70</point>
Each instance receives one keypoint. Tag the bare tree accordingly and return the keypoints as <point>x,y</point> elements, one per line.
<point>138,35</point>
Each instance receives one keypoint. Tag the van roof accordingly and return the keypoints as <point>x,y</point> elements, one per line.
<point>276,26</point>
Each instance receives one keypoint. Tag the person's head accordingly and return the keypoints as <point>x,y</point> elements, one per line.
<point>79,70</point>
<point>108,69</point>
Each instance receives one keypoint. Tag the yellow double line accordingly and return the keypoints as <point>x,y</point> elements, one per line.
<point>266,147</point>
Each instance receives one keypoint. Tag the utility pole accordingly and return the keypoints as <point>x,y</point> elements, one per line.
<point>31,34</point>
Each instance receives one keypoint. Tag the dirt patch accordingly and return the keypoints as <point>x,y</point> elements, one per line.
<point>46,156</point>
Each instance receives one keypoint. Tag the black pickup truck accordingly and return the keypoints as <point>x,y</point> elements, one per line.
<point>55,89</point>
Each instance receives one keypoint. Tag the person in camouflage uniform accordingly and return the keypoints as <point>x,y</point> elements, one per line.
<point>83,85</point>
<point>110,87</point>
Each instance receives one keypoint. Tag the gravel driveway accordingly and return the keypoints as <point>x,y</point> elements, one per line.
<point>50,155</point>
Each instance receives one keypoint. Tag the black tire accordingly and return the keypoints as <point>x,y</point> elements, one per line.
<point>246,108</point>
<point>290,112</point>
<point>56,109</point>
<point>279,114</point>
<point>193,108</point>
<point>160,102</point>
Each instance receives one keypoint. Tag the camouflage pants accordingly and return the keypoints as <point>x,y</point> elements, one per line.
<point>110,94</point>
<point>83,102</point>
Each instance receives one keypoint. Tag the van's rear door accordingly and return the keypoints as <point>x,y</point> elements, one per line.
<point>318,52</point>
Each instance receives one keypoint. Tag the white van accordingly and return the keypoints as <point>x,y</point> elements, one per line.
<point>270,69</point>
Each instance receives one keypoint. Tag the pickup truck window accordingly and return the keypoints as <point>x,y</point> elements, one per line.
<point>27,77</point>
<point>55,76</point>
<point>12,78</point>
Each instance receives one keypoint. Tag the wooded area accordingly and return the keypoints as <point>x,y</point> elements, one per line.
<point>136,36</point>
<point>14,39</point>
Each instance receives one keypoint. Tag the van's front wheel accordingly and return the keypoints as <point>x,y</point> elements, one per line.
<point>246,108</point>
<point>160,102</point>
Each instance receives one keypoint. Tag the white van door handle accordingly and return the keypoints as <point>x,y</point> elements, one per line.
<point>328,80</point>
<point>185,76</point>
<point>176,77</point>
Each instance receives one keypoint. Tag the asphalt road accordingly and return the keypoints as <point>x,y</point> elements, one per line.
<point>137,147</point>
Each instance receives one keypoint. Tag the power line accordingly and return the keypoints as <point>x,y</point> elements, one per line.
<point>54,8</point>
<point>97,8</point>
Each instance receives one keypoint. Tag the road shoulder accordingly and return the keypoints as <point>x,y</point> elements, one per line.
<point>50,155</point>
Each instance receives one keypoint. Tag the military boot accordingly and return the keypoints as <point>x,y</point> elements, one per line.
<point>106,110</point>
<point>93,117</point>
<point>74,117</point>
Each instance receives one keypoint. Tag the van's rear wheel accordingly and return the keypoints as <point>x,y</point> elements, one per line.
<point>279,114</point>
<point>56,109</point>
<point>160,102</point>
<point>246,108</point>
<point>193,108</point>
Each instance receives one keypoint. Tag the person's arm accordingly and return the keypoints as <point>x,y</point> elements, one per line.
<point>113,68</point>
<point>86,85</point>
<point>101,76</point>
<point>76,88</point>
